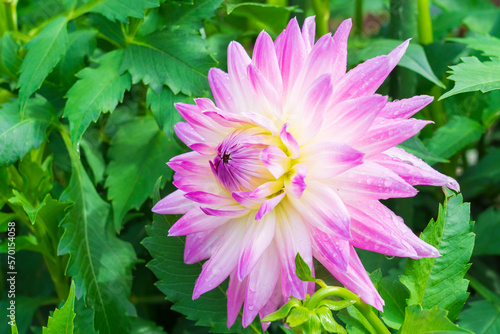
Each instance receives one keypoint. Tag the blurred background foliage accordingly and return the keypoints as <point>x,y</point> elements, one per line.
<point>86,125</point>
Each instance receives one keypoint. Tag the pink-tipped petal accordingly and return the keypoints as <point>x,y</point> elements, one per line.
<point>335,249</point>
<point>187,134</point>
<point>268,205</point>
<point>405,108</point>
<point>290,142</point>
<point>275,160</point>
<point>220,86</point>
<point>308,32</point>
<point>297,183</point>
<point>199,246</point>
<point>195,221</point>
<point>265,59</point>
<point>224,213</point>
<point>174,204</point>
<point>235,297</point>
<point>208,198</point>
<point>339,58</point>
<point>237,63</point>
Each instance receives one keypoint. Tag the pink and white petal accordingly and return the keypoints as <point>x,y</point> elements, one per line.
<point>194,221</point>
<point>173,204</point>
<point>413,170</point>
<point>204,149</point>
<point>220,86</point>
<point>261,284</point>
<point>187,134</point>
<point>265,59</point>
<point>296,185</point>
<point>199,246</point>
<point>274,302</point>
<point>262,121</point>
<point>347,121</point>
<point>290,142</point>
<point>309,32</point>
<point>335,249</point>
<point>329,159</point>
<point>259,238</point>
<point>207,128</point>
<point>339,58</point>
<point>226,211</point>
<point>366,78</point>
<point>405,108</point>
<point>372,181</point>
<point>195,182</point>
<point>235,297</point>
<point>291,56</point>
<point>267,189</point>
<point>268,205</point>
<point>223,260</point>
<point>275,160</point>
<point>237,63</point>
<point>387,133</point>
<point>269,102</point>
<point>292,237</point>
<point>355,279</point>
<point>245,198</point>
<point>322,207</point>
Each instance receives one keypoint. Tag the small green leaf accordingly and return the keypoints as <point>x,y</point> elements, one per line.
<point>138,154</point>
<point>472,75</point>
<point>189,16</point>
<point>164,110</point>
<point>428,321</point>
<point>17,135</point>
<point>312,325</point>
<point>298,316</point>
<point>10,62</point>
<point>328,322</point>
<point>413,59</point>
<point>269,17</point>
<point>179,60</point>
<point>336,305</point>
<point>488,44</point>
<point>98,90</point>
<point>121,10</point>
<point>394,295</point>
<point>283,311</point>
<point>20,199</point>
<point>61,321</point>
<point>481,317</point>
<point>44,52</point>
<point>487,229</point>
<point>94,159</point>
<point>302,269</point>
<point>459,132</point>
<point>355,321</point>
<point>440,281</point>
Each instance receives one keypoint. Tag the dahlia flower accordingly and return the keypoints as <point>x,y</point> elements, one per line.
<point>294,156</point>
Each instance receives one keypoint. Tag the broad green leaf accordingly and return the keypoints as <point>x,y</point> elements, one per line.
<point>488,44</point>
<point>189,16</point>
<point>44,52</point>
<point>440,281</point>
<point>94,159</point>
<point>18,136</point>
<point>81,44</point>
<point>394,294</point>
<point>302,269</point>
<point>111,30</point>
<point>415,146</point>
<point>481,317</point>
<point>413,59</point>
<point>99,262</point>
<point>176,280</point>
<point>487,229</point>
<point>483,175</point>
<point>472,75</point>
<point>10,62</point>
<point>269,17</point>
<point>121,10</point>
<point>459,132</point>
<point>84,318</point>
<point>164,110</point>
<point>61,321</point>
<point>98,90</point>
<point>138,156</point>
<point>181,61</point>
<point>428,321</point>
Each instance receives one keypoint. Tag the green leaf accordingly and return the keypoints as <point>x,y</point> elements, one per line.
<point>414,58</point>
<point>98,90</point>
<point>164,110</point>
<point>61,321</point>
<point>328,322</point>
<point>472,75</point>
<point>176,280</point>
<point>269,17</point>
<point>99,262</point>
<point>415,146</point>
<point>440,281</point>
<point>44,52</point>
<point>20,199</point>
<point>487,229</point>
<point>138,154</point>
<point>81,44</point>
<point>189,16</point>
<point>428,321</point>
<point>481,317</point>
<point>302,269</point>
<point>142,326</point>
<point>179,60</point>
<point>84,318</point>
<point>488,44</point>
<point>121,10</point>
<point>355,321</point>
<point>394,294</point>
<point>459,132</point>
<point>10,62</point>
<point>18,136</point>
<point>483,175</point>
<point>25,310</point>
<point>94,159</point>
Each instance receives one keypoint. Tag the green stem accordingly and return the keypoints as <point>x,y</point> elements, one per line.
<point>11,14</point>
<point>281,3</point>
<point>424,23</point>
<point>322,11</point>
<point>365,309</point>
<point>358,18</point>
